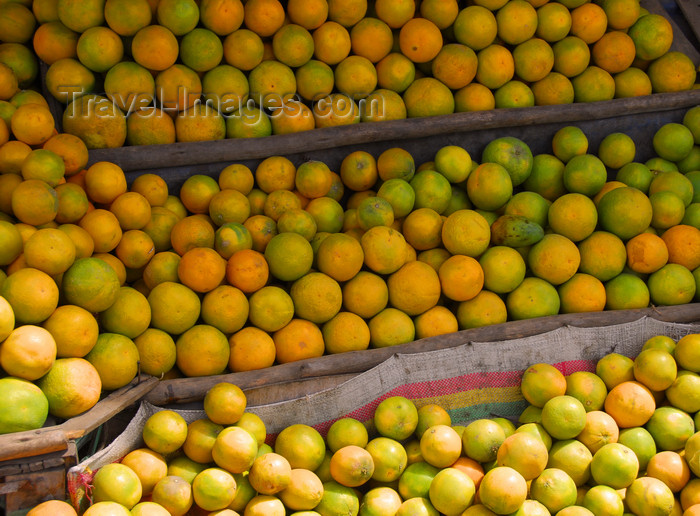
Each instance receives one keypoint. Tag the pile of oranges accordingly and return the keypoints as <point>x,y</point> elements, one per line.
<point>620,440</point>
<point>100,279</point>
<point>146,72</point>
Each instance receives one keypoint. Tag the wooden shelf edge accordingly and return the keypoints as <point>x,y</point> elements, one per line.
<point>187,390</point>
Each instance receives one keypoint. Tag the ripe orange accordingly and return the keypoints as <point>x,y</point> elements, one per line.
<point>72,386</point>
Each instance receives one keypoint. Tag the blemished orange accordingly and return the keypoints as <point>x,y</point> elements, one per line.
<point>646,253</point>
<point>71,149</point>
<point>251,348</point>
<point>420,40</point>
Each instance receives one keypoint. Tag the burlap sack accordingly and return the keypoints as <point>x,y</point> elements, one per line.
<point>471,381</point>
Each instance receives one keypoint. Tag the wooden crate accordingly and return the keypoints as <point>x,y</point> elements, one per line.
<point>33,464</point>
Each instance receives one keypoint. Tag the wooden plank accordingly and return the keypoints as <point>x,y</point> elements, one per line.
<point>55,438</point>
<point>35,488</point>
<point>185,390</point>
<point>140,158</point>
<point>691,12</point>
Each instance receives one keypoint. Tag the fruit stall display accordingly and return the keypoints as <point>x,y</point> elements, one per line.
<point>609,428</point>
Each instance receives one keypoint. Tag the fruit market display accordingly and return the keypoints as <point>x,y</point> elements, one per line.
<point>620,440</point>
<point>100,280</point>
<point>141,72</point>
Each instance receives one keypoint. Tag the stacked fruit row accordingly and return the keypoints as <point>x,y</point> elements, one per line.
<point>618,441</point>
<point>135,72</point>
<point>295,261</point>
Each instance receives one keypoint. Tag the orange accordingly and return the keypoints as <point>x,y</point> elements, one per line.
<point>309,15</point>
<point>71,149</point>
<point>554,88</point>
<point>571,56</point>
<point>682,242</point>
<point>514,94</point>
<point>104,229</point>
<point>28,352</point>
<point>104,182</point>
<point>346,331</point>
<point>17,24</point>
<point>542,382</point>
<point>301,445</point>
<point>381,499</point>
<point>553,22</point>
<point>21,60</point>
<point>503,490</point>
<point>150,126</point>
<point>555,258</point>
<point>298,340</point>
<point>72,386</point>
<point>83,80</point>
<point>396,13</point>
<point>178,88</point>
<point>12,242</point>
<point>316,296</point>
<point>115,357</point>
<point>603,255</point>
<point>533,59</point>
<point>534,297</point>
<point>129,315</point>
<point>340,257</point>
<point>600,429</point>
<point>32,124</point>
<point>32,294</point>
<point>614,52</point>
<point>517,22</point>
<point>420,40</point>
<point>224,403</point>
<point>251,348</point>
<point>630,403</point>
<point>49,250</point>
<point>435,321</point>
<point>554,489</point>
<point>210,347</point>
<point>396,417</point>
<point>525,453</point>
<point>441,100</point>
<point>588,22</point>
<point>614,465</point>
<point>84,245</point>
<point>652,36</point>
<point>621,14</point>
<point>390,458</point>
<point>672,284</point>
<point>315,80</point>
<point>74,330</point>
<point>243,49</point>
<point>495,66</point>
<point>135,249</point>
<point>264,17</point>
<point>174,494</point>
<point>96,120</point>
<point>180,16</point>
<point>442,14</point>
<point>395,72</point>
<point>293,45</point>
<point>156,352</point>
<point>476,27</point>
<point>53,41</point>
<point>414,288</point>
<point>117,483</point>
<point>126,18</point>
<point>313,179</point>
<point>632,82</point>
<point>573,215</point>
<point>671,468</point>
<point>247,270</point>
<point>686,352</point>
<point>332,43</point>
<point>371,38</point>
<point>356,298</point>
<point>133,211</point>
<point>190,232</point>
<point>346,13</point>
<point>440,445</point>
<point>275,173</point>
<point>451,491</point>
<point>466,232</point>
<point>384,249</point>
<point>600,497</point>
<point>582,293</point>
<point>201,50</point>
<point>649,493</point>
<point>174,307</point>
<point>673,141</point>
<point>155,47</point>
<point>671,72</point>
<point>289,256</point>
<point>99,49</point>
<point>351,466</point>
<point>53,507</point>
<point>202,269</point>
<point>626,212</point>
<point>271,308</point>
